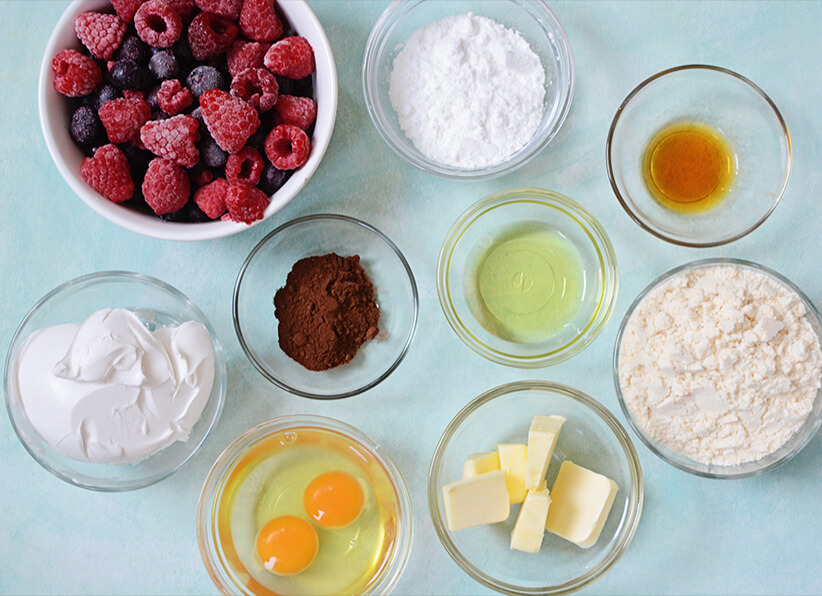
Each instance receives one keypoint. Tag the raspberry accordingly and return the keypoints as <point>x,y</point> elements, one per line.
<point>165,187</point>
<point>133,94</point>
<point>125,9</point>
<point>245,203</point>
<point>259,20</point>
<point>173,98</point>
<point>102,34</point>
<point>108,173</point>
<point>211,198</point>
<point>244,54</point>
<point>210,35</point>
<point>75,75</point>
<point>123,118</point>
<point>230,120</point>
<point>201,177</point>
<point>225,8</point>
<point>173,139</point>
<point>299,111</point>
<point>184,8</point>
<point>291,57</point>
<point>158,24</point>
<point>244,167</point>
<point>287,147</point>
<point>257,86</point>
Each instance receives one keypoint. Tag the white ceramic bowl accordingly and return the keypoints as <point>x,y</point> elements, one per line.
<point>55,116</point>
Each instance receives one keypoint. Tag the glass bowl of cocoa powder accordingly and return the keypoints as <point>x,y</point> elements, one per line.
<point>325,306</point>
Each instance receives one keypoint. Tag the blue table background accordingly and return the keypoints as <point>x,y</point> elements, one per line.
<point>758,536</point>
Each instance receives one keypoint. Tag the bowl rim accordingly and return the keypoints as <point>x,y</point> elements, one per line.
<point>654,446</point>
<point>635,497</point>
<point>219,369</point>
<point>649,227</point>
<point>213,558</point>
<point>553,29</point>
<point>261,367</point>
<point>148,224</point>
<point>599,240</point>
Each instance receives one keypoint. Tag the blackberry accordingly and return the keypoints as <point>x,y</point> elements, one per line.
<point>163,65</point>
<point>297,87</point>
<point>85,126</point>
<point>272,179</point>
<point>204,78</point>
<point>127,74</point>
<point>211,153</point>
<point>134,49</point>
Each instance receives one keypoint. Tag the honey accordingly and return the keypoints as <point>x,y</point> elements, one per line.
<point>689,167</point>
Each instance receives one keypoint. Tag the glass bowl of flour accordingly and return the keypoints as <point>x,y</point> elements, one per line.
<point>468,90</point>
<point>718,368</point>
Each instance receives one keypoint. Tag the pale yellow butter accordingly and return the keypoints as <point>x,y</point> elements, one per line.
<point>476,501</point>
<point>480,463</point>
<point>542,437</point>
<point>530,526</point>
<point>581,500</point>
<point>512,461</point>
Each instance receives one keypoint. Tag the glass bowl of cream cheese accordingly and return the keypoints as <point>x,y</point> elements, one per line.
<point>114,380</point>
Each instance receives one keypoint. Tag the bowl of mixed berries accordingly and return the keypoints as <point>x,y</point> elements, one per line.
<point>187,119</point>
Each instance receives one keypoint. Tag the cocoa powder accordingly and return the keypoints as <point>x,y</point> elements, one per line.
<point>326,311</point>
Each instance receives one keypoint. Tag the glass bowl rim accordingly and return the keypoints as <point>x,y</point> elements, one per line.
<point>646,440</point>
<point>599,240</point>
<point>649,227</point>
<point>635,497</point>
<point>219,366</point>
<point>233,453</point>
<point>259,365</point>
<point>370,85</point>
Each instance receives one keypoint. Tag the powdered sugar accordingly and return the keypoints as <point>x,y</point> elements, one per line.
<point>467,91</point>
<point>720,364</point>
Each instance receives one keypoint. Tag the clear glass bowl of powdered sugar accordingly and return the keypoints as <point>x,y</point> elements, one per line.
<point>465,89</point>
<point>718,368</point>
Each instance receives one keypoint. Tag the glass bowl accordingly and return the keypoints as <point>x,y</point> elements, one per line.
<point>479,228</point>
<point>538,26</point>
<point>229,563</point>
<point>157,304</point>
<point>265,271</point>
<point>590,437</point>
<point>753,468</point>
<point>722,100</point>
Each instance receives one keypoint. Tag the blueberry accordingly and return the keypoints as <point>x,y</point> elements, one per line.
<point>134,49</point>
<point>127,74</point>
<point>101,96</point>
<point>203,78</point>
<point>151,98</point>
<point>85,126</point>
<point>272,179</point>
<point>211,153</point>
<point>163,65</point>
<point>190,213</point>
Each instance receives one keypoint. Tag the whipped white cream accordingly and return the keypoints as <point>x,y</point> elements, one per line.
<point>109,390</point>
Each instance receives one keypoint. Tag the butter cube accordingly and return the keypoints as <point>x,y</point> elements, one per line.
<point>581,501</point>
<point>512,460</point>
<point>476,501</point>
<point>480,463</point>
<point>542,437</point>
<point>530,526</point>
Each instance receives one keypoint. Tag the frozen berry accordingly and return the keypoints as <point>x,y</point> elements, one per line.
<point>75,75</point>
<point>257,86</point>
<point>225,8</point>
<point>101,33</point>
<point>299,111</point>
<point>245,204</point>
<point>210,35</point>
<point>296,87</point>
<point>100,96</point>
<point>123,118</point>
<point>244,54</point>
<point>230,120</point>
<point>127,74</point>
<point>189,213</point>
<point>133,49</point>
<point>125,9</point>
<point>244,167</point>
<point>211,197</point>
<point>108,173</point>
<point>173,98</point>
<point>184,8</point>
<point>203,78</point>
<point>85,126</point>
<point>272,179</point>
<point>200,175</point>
<point>158,24</point>
<point>291,57</point>
<point>152,100</point>
<point>164,65</point>
<point>211,153</point>
<point>133,94</point>
<point>166,187</point>
<point>287,147</point>
<point>173,139</point>
<point>259,20</point>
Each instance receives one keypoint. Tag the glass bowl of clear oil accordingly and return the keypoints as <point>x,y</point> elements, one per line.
<point>527,277</point>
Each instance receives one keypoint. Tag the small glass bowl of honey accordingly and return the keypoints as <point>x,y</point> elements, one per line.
<point>698,155</point>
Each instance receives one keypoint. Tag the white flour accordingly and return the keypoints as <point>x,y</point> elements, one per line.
<point>467,91</point>
<point>720,364</point>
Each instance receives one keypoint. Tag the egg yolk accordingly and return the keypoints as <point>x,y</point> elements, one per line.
<point>287,545</point>
<point>334,499</point>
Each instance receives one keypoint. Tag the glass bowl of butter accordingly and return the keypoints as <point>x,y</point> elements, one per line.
<point>535,488</point>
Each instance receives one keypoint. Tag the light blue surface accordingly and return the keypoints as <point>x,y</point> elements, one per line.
<point>760,535</point>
